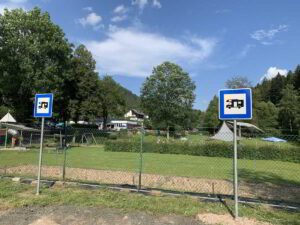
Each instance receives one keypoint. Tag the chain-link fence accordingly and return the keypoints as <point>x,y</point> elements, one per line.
<point>198,162</point>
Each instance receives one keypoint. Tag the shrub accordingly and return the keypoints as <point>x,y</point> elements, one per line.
<point>208,148</point>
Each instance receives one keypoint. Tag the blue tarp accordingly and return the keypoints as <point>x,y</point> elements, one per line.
<point>273,139</point>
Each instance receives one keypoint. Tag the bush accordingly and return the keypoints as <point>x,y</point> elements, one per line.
<point>209,148</point>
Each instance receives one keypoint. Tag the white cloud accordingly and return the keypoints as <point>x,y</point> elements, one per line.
<point>116,19</point>
<point>245,50</point>
<point>140,3</point>
<point>120,14</point>
<point>92,19</point>
<point>131,52</point>
<point>120,9</point>
<point>17,1</point>
<point>12,4</point>
<point>265,36</point>
<point>156,3</point>
<point>143,3</point>
<point>273,72</point>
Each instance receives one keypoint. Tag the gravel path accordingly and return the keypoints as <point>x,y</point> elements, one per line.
<point>191,184</point>
<point>70,215</point>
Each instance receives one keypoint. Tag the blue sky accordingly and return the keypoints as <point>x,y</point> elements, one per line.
<point>212,40</point>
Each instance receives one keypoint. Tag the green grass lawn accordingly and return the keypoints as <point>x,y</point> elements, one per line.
<point>14,195</point>
<point>166,164</point>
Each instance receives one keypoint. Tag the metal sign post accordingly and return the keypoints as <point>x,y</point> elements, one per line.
<point>42,108</point>
<point>40,157</point>
<point>235,104</point>
<point>236,205</point>
<point>141,158</point>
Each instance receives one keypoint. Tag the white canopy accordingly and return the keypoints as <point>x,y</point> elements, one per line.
<point>225,132</point>
<point>8,118</point>
<point>248,125</point>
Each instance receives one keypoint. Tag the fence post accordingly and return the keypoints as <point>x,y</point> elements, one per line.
<point>6,133</point>
<point>141,158</point>
<point>65,152</point>
<point>21,137</point>
<point>30,141</point>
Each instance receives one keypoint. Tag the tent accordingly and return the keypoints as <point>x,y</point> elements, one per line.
<point>225,133</point>
<point>8,118</point>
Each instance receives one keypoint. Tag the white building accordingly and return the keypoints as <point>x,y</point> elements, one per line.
<point>135,115</point>
<point>118,125</point>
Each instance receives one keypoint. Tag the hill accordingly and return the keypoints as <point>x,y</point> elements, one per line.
<point>132,100</point>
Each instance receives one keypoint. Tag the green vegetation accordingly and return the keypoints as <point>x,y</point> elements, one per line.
<point>165,164</point>
<point>167,96</point>
<point>36,57</point>
<point>19,195</point>
<point>248,149</point>
<point>275,104</point>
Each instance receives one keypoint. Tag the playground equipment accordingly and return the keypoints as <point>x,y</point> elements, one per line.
<point>88,138</point>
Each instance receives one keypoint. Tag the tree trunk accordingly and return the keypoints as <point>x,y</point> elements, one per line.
<point>105,116</point>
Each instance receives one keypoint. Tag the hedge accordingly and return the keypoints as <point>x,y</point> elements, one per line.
<point>209,148</point>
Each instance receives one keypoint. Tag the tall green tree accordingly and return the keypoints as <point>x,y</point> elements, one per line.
<point>112,101</point>
<point>211,118</point>
<point>265,115</point>
<point>35,57</point>
<point>289,111</point>
<point>238,82</point>
<point>262,91</point>
<point>277,85</point>
<point>167,96</point>
<point>296,80</point>
<point>83,85</point>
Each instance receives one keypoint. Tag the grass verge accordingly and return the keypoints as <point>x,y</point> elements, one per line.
<point>14,195</point>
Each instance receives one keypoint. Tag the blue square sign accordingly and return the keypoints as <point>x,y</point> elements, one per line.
<point>235,104</point>
<point>43,105</point>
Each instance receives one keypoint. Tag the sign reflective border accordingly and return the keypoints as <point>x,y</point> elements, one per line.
<point>43,105</point>
<point>235,104</point>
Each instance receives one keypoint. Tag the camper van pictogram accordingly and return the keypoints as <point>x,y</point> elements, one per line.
<point>234,103</point>
<point>43,105</point>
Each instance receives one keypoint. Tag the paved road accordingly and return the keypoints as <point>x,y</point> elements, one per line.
<point>70,215</point>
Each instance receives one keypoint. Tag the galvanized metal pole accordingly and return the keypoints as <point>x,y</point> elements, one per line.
<point>21,137</point>
<point>6,133</point>
<point>40,157</point>
<point>65,152</point>
<point>30,141</point>
<point>236,206</point>
<point>141,158</point>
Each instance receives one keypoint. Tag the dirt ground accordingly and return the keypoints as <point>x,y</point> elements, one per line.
<point>210,218</point>
<point>70,215</point>
<point>201,185</point>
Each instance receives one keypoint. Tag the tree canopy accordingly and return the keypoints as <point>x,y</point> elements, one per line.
<point>238,82</point>
<point>167,96</point>
<point>275,103</point>
<point>35,57</point>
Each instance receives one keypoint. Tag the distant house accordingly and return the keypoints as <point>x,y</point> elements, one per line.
<point>118,125</point>
<point>135,115</point>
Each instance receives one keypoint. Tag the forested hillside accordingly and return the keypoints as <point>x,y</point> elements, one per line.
<point>131,99</point>
<point>276,105</point>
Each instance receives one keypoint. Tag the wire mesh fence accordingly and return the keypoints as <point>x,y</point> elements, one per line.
<point>195,162</point>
